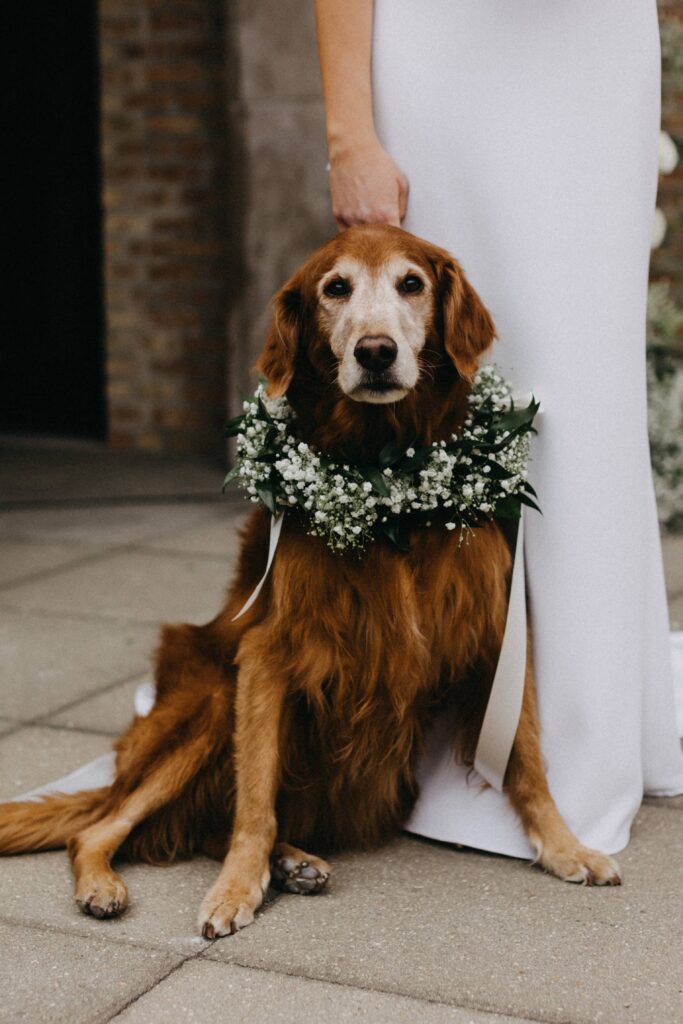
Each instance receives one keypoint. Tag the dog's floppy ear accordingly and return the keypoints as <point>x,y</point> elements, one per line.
<point>278,356</point>
<point>468,329</point>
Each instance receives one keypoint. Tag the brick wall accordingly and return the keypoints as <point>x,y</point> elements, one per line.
<point>165,199</point>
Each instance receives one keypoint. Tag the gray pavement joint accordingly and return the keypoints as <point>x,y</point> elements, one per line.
<point>187,958</point>
<point>45,720</point>
<point>495,1014</point>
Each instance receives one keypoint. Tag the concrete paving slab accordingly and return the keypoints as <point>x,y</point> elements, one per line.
<point>37,889</point>
<point>219,537</point>
<point>427,921</point>
<point>22,558</point>
<point>48,662</point>
<point>109,712</point>
<point>255,996</point>
<point>142,586</point>
<point>102,526</point>
<point>6,725</point>
<point>56,978</point>
<point>32,756</point>
<point>49,471</point>
<point>672,550</point>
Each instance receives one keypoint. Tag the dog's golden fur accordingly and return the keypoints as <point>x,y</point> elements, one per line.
<point>301,722</point>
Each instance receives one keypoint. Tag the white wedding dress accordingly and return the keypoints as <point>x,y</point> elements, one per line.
<point>528,131</point>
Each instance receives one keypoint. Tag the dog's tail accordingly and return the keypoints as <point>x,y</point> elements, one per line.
<point>49,823</point>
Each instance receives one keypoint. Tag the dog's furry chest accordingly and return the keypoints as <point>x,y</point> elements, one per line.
<point>386,620</point>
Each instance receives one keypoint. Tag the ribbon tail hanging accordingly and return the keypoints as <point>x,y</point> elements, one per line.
<point>276,522</point>
<point>501,718</point>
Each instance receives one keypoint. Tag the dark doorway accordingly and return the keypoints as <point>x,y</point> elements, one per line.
<point>51,378</point>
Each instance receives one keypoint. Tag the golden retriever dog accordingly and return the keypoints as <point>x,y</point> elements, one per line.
<point>297,727</point>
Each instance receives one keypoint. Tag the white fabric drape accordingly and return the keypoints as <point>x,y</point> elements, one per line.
<point>529,135</point>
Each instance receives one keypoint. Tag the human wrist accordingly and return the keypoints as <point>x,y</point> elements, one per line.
<point>342,140</point>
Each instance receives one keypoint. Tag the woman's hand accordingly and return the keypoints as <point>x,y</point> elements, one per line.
<point>366,185</point>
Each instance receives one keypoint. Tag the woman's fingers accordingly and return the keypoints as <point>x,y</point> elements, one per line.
<point>367,187</point>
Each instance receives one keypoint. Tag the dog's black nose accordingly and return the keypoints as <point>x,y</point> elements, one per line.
<point>375,351</point>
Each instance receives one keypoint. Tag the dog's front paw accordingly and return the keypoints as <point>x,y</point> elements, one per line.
<point>226,909</point>
<point>577,863</point>
<point>102,896</point>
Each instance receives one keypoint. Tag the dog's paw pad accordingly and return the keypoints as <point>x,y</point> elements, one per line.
<point>303,877</point>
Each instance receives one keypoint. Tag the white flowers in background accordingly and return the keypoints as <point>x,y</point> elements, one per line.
<point>668,153</point>
<point>668,161</point>
<point>480,473</point>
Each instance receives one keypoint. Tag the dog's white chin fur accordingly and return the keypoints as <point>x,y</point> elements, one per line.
<point>378,397</point>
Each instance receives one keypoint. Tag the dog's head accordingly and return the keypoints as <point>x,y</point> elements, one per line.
<point>375,317</point>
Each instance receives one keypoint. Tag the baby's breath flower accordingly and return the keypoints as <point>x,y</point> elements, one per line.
<point>339,504</point>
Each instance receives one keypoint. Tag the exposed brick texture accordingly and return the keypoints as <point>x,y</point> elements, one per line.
<point>164,140</point>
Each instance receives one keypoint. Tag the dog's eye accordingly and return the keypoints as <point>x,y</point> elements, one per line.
<point>410,284</point>
<point>337,288</point>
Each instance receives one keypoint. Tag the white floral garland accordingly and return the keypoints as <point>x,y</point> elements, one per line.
<point>478,474</point>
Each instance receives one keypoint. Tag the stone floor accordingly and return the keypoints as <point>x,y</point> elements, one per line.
<point>95,552</point>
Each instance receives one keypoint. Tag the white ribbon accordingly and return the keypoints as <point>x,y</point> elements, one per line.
<point>276,522</point>
<point>499,728</point>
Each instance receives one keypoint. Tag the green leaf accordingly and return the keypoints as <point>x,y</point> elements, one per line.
<point>231,476</point>
<point>523,428</point>
<point>233,426</point>
<point>517,417</point>
<point>526,500</point>
<point>496,471</point>
<point>376,478</point>
<point>508,508</point>
<point>263,412</point>
<point>412,462</point>
<point>392,529</point>
<point>266,492</point>
<point>391,453</point>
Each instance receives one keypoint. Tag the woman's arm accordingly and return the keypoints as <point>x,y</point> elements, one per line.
<point>365,183</point>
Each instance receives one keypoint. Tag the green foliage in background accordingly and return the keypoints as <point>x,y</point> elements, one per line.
<point>665,403</point>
